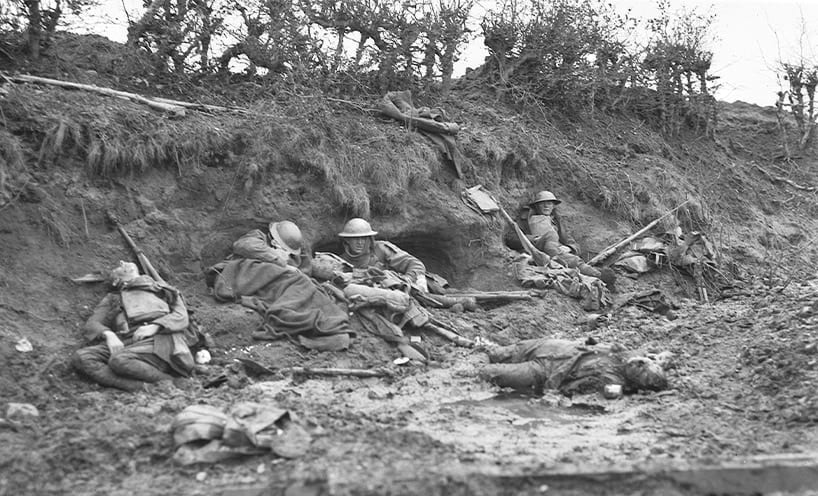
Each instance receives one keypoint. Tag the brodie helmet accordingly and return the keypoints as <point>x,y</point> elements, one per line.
<point>544,196</point>
<point>287,235</point>
<point>357,228</point>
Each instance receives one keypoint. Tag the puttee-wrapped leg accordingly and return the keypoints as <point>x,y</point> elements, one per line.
<point>521,376</point>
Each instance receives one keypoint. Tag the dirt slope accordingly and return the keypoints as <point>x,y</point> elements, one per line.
<point>746,364</point>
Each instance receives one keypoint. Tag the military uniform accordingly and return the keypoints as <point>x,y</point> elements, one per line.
<point>385,255</point>
<point>570,367</point>
<point>259,245</point>
<point>162,356</point>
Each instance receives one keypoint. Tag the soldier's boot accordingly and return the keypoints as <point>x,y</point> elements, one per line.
<point>608,276</point>
<point>102,374</point>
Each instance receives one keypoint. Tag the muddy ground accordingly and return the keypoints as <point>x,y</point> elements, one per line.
<point>739,416</point>
<point>742,385</point>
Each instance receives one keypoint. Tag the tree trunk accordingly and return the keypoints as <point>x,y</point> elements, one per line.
<point>34,28</point>
<point>136,29</point>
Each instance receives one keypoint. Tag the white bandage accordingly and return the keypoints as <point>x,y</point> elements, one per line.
<point>421,283</point>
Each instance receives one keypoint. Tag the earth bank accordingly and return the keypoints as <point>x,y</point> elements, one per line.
<point>745,367</point>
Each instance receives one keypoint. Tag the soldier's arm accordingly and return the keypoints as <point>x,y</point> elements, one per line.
<point>254,245</point>
<point>566,237</point>
<point>178,319</point>
<point>305,262</point>
<point>401,261</point>
<point>103,317</point>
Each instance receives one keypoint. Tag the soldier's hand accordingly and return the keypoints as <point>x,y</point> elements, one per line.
<point>114,343</point>
<point>145,331</point>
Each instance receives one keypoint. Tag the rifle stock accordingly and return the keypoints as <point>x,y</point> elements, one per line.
<point>141,258</point>
<point>539,257</point>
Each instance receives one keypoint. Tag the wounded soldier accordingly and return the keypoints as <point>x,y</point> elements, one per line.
<point>571,367</point>
<point>362,251</point>
<point>282,244</point>
<point>378,288</point>
<point>548,234</point>
<point>263,273</point>
<point>140,333</point>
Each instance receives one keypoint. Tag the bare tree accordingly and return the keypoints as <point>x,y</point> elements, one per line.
<point>42,18</point>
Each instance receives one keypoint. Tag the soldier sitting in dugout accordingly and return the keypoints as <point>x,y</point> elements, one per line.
<point>139,333</point>
<point>362,250</point>
<point>572,367</point>
<point>548,233</point>
<point>282,244</point>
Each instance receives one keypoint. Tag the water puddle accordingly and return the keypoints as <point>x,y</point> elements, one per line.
<point>532,410</point>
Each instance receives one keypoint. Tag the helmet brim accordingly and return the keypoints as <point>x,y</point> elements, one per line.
<point>281,243</point>
<point>555,201</point>
<point>357,235</point>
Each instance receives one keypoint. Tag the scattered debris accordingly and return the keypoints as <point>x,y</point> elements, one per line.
<point>23,345</point>
<point>20,411</point>
<point>205,434</point>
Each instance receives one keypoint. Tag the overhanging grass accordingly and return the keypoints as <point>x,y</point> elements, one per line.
<point>111,136</point>
<point>367,164</point>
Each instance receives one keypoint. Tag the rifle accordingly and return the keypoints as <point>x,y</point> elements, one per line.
<point>607,252</point>
<point>539,257</point>
<point>493,296</point>
<point>254,368</point>
<point>146,265</point>
<point>424,319</point>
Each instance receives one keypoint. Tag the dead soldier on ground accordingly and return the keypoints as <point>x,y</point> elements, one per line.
<point>573,367</point>
<point>140,333</point>
<point>548,233</point>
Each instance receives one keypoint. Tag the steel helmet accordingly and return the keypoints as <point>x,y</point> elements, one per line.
<point>357,228</point>
<point>543,196</point>
<point>287,235</point>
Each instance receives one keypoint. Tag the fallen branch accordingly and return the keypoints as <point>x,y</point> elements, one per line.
<point>176,110</point>
<point>175,107</point>
<point>607,252</point>
<point>784,180</point>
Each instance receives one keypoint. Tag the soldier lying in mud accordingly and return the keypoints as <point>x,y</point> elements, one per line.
<point>268,272</point>
<point>140,333</point>
<point>282,244</point>
<point>572,367</point>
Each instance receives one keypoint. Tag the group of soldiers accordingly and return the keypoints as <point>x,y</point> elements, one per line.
<point>141,332</point>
